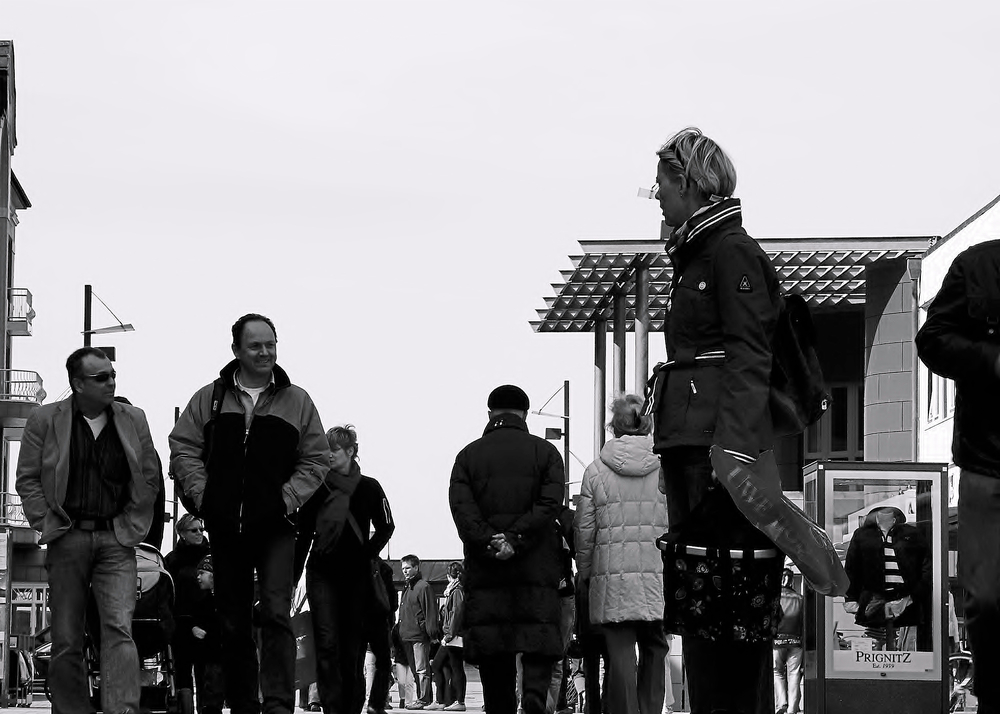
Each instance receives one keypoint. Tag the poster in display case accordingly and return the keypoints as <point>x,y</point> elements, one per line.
<point>882,645</point>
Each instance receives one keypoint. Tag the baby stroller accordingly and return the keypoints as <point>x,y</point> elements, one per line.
<point>152,630</point>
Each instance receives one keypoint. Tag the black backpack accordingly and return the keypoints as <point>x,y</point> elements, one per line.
<point>218,394</point>
<point>798,395</point>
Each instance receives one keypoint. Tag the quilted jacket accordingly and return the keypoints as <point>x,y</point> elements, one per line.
<point>620,515</point>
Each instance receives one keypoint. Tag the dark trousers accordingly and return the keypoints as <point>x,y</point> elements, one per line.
<point>978,549</point>
<point>499,677</point>
<point>211,687</point>
<point>441,666</point>
<point>729,677</point>
<point>456,658</point>
<point>635,687</point>
<point>594,648</point>
<point>377,631</point>
<point>337,606</point>
<point>270,551</point>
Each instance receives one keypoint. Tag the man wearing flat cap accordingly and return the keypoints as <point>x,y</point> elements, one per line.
<point>506,492</point>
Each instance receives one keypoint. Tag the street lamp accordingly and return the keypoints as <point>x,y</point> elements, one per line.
<point>555,433</point>
<point>88,294</point>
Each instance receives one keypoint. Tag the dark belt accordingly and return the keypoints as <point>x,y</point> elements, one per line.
<point>93,524</point>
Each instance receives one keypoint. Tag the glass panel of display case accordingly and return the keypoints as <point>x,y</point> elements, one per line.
<point>888,527</point>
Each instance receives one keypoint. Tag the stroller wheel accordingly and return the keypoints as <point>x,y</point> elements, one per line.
<point>185,701</point>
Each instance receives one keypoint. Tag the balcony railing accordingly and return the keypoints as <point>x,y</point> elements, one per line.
<point>11,510</point>
<point>19,312</point>
<point>19,385</point>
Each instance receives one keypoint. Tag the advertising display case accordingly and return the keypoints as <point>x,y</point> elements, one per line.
<point>883,646</point>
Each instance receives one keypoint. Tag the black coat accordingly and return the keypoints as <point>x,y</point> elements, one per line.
<point>865,566</point>
<point>722,311</point>
<point>182,564</point>
<point>961,340</point>
<point>510,482</point>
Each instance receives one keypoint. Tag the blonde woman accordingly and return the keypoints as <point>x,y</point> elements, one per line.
<point>620,515</point>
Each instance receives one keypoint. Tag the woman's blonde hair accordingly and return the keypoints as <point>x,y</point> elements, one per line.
<point>691,154</point>
<point>627,417</point>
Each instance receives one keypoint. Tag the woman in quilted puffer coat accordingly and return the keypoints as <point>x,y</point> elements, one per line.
<point>620,515</point>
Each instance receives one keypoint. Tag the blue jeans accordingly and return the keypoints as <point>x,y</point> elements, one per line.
<point>270,551</point>
<point>80,563</point>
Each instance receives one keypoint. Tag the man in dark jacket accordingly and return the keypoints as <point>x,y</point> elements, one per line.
<point>248,464</point>
<point>961,340</point>
<point>506,492</point>
<point>419,628</point>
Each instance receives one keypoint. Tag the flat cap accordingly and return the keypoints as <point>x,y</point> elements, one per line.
<point>508,396</point>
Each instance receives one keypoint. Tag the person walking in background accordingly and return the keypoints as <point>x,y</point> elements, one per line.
<point>87,477</point>
<point>182,564</point>
<point>960,340</point>
<point>336,522</point>
<point>419,628</point>
<point>205,631</point>
<point>378,667</point>
<point>788,649</point>
<point>248,451</point>
<point>620,514</point>
<point>452,624</point>
<point>556,697</point>
<point>713,392</point>
<point>506,491</point>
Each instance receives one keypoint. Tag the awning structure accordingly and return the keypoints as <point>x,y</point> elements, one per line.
<point>621,286</point>
<point>828,272</point>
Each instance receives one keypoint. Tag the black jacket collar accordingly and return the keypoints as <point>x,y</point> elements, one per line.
<point>505,421</point>
<point>228,374</point>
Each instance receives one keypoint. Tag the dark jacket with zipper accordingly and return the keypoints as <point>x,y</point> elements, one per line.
<point>348,555</point>
<point>262,466</point>
<point>960,340</point>
<point>418,612</point>
<point>722,310</point>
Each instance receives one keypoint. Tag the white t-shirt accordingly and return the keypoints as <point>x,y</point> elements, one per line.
<point>254,392</point>
<point>98,423</point>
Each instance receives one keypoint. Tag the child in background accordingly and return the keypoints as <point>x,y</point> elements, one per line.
<point>206,631</point>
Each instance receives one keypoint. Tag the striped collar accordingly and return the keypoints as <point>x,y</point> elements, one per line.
<point>703,220</point>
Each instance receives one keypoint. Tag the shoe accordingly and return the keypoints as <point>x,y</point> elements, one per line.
<point>455,707</point>
<point>434,707</point>
<point>388,705</point>
<point>415,706</point>
<point>315,707</point>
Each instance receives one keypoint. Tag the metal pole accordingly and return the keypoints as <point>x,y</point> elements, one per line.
<point>86,315</point>
<point>600,381</point>
<point>641,327</point>
<point>173,487</point>
<point>618,352</point>
<point>566,440</point>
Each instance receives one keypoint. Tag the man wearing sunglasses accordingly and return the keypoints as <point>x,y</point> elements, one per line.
<point>248,451</point>
<point>88,481</point>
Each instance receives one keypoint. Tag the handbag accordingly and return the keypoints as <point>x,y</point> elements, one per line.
<point>380,604</point>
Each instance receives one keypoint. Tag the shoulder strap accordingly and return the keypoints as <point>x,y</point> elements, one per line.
<point>355,527</point>
<point>218,394</point>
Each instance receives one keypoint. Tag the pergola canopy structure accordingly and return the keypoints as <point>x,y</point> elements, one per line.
<point>621,286</point>
<point>828,272</point>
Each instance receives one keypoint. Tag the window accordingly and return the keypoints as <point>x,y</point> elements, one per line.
<point>839,435</point>
<point>940,398</point>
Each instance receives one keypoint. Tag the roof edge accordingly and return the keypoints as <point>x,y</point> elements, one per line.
<point>965,224</point>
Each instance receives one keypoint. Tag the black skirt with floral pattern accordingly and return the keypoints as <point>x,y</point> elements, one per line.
<point>721,595</point>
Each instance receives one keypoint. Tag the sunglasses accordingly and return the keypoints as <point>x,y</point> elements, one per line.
<point>101,377</point>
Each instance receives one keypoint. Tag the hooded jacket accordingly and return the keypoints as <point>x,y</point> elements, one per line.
<point>262,465</point>
<point>620,515</point>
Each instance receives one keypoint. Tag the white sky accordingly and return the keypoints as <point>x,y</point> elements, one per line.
<point>397,184</point>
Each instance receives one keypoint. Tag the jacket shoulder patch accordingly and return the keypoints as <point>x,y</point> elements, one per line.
<point>744,286</point>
